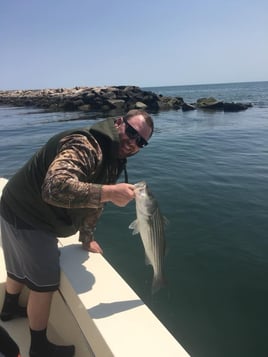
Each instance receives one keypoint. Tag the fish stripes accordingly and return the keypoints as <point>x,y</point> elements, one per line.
<point>150,225</point>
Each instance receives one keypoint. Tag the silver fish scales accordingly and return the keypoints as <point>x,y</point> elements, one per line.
<point>150,225</point>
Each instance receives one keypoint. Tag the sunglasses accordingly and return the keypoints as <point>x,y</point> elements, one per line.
<point>133,134</point>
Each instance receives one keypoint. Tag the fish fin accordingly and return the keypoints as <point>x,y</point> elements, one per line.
<point>134,225</point>
<point>147,261</point>
<point>158,283</point>
<point>165,220</point>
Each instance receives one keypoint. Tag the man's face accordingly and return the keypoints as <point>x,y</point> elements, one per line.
<point>132,133</point>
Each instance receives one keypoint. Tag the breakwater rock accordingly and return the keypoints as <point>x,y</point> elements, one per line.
<point>116,99</point>
<point>214,104</point>
<point>113,100</point>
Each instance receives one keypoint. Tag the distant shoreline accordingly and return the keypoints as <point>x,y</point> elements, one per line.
<point>201,84</point>
<point>142,87</point>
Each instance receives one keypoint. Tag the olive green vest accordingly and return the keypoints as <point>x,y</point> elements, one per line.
<point>22,193</point>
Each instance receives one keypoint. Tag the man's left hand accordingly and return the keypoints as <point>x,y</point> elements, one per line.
<point>92,247</point>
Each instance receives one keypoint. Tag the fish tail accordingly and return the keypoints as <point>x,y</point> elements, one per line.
<point>158,283</point>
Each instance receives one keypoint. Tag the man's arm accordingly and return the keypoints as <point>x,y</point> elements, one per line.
<point>86,235</point>
<point>67,182</point>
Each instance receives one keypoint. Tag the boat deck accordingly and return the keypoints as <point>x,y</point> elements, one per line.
<point>96,310</point>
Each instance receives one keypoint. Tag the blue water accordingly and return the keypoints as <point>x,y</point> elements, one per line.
<point>209,172</point>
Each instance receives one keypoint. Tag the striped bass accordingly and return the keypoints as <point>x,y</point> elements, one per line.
<point>150,225</point>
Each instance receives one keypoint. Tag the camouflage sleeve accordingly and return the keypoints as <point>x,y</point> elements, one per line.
<point>67,182</point>
<point>88,227</point>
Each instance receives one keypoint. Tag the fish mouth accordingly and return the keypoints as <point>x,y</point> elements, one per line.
<point>140,185</point>
<point>140,190</point>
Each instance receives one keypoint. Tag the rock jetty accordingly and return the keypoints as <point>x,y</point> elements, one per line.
<point>103,99</point>
<point>108,99</point>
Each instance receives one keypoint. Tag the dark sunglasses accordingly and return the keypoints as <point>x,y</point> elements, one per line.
<point>133,134</point>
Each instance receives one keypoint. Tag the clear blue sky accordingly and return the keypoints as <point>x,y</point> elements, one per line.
<point>63,43</point>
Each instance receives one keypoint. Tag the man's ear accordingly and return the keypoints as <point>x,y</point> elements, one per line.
<point>119,121</point>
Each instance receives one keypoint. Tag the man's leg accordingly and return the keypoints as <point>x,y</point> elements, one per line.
<point>38,309</point>
<point>38,313</point>
<point>11,308</point>
<point>13,286</point>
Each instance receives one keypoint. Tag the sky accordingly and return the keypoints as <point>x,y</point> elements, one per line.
<point>147,43</point>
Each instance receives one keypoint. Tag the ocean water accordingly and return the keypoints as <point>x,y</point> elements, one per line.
<point>209,173</point>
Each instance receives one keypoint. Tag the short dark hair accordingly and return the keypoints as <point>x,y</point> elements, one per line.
<point>146,116</point>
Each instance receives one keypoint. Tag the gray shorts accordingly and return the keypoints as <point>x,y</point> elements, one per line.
<point>31,256</point>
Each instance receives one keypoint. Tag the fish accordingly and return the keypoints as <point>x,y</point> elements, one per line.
<point>149,223</point>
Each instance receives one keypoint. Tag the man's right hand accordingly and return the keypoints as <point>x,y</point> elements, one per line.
<point>120,194</point>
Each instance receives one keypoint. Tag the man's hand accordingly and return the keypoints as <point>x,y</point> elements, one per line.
<point>92,247</point>
<point>120,194</point>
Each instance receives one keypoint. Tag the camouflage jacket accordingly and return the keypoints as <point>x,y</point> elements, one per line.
<point>64,185</point>
<point>59,188</point>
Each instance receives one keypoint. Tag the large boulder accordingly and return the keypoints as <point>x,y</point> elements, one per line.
<point>214,104</point>
<point>187,107</point>
<point>209,103</point>
<point>235,107</point>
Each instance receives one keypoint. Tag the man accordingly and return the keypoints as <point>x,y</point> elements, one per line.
<point>60,190</point>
